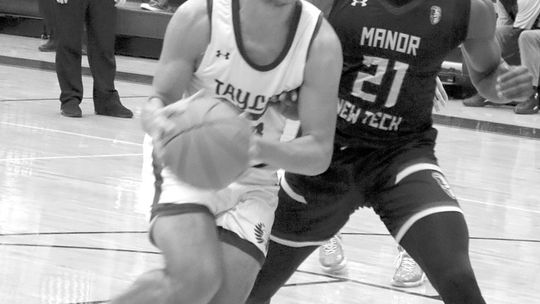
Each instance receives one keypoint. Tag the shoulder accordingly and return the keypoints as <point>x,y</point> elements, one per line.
<point>482,19</point>
<point>192,13</point>
<point>188,31</point>
<point>326,40</point>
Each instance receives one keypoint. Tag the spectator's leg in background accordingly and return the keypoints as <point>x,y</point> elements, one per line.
<point>46,9</point>
<point>529,46</point>
<point>508,36</point>
<point>101,28</point>
<point>158,6</point>
<point>68,31</point>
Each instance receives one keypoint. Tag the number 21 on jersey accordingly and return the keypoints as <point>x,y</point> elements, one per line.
<point>379,70</point>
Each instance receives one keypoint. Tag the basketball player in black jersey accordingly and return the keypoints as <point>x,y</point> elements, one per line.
<point>384,142</point>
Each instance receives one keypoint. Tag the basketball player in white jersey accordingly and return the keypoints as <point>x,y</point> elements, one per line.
<point>247,52</point>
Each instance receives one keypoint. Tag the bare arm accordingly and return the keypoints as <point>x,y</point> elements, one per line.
<point>186,38</point>
<point>311,153</point>
<point>491,76</point>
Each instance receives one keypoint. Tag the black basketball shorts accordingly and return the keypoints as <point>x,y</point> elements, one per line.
<point>401,183</point>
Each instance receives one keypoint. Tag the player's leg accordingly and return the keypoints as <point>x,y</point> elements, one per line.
<point>440,243</point>
<point>185,233</point>
<point>240,271</point>
<point>244,232</point>
<point>301,227</point>
<point>281,263</point>
<point>189,276</point>
<point>423,215</point>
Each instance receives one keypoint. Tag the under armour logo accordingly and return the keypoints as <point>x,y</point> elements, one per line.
<point>362,2</point>
<point>226,55</point>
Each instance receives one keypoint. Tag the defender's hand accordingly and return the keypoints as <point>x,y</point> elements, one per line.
<point>515,84</point>
<point>286,103</point>
<point>441,98</point>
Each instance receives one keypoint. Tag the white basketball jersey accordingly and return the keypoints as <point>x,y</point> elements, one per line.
<point>227,72</point>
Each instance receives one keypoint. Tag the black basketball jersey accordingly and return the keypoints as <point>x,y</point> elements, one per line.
<point>391,58</point>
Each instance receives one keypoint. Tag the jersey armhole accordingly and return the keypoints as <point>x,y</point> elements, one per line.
<point>209,4</point>
<point>315,32</point>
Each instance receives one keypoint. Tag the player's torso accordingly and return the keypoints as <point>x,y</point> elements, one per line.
<point>227,70</point>
<point>391,57</point>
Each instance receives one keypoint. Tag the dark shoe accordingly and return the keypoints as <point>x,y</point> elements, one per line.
<point>49,46</point>
<point>474,101</point>
<point>156,6</point>
<point>71,109</point>
<point>115,109</point>
<point>528,107</point>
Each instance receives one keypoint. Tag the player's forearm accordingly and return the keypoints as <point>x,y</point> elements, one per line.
<point>486,86</point>
<point>153,104</point>
<point>305,155</point>
<point>486,83</point>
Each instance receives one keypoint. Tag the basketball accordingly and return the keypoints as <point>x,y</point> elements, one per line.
<point>209,147</point>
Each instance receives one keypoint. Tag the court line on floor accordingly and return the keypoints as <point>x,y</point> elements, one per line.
<point>486,126</point>
<point>71,133</point>
<point>56,98</point>
<point>500,239</point>
<point>478,238</point>
<point>499,205</point>
<point>348,280</point>
<point>68,157</point>
<point>335,279</point>
<point>316,274</point>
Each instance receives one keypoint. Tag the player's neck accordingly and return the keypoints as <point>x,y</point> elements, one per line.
<point>262,13</point>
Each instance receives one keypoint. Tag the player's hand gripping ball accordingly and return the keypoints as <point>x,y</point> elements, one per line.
<point>209,147</point>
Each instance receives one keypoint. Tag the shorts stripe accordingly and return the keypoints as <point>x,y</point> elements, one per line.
<point>295,196</point>
<point>233,239</point>
<point>415,168</point>
<point>296,244</point>
<point>158,182</point>
<point>170,209</point>
<point>415,218</point>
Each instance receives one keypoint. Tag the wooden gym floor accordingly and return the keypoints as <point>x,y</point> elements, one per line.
<point>73,229</point>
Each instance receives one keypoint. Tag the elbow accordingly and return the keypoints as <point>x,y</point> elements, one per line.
<point>322,162</point>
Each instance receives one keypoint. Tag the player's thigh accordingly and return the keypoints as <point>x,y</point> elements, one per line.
<point>244,233</point>
<point>187,240</point>
<point>312,210</point>
<point>240,272</point>
<point>250,220</point>
<point>414,196</point>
